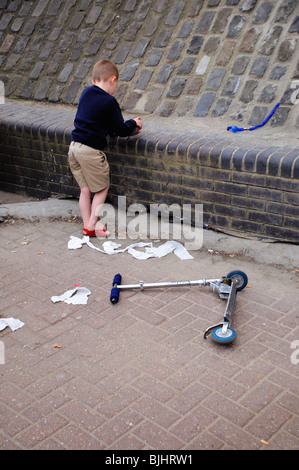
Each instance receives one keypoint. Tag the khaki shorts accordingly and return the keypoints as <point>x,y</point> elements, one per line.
<point>89,167</point>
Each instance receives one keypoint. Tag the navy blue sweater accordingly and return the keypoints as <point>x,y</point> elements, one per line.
<point>99,115</point>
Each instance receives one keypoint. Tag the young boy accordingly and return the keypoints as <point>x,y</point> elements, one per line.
<point>98,115</point>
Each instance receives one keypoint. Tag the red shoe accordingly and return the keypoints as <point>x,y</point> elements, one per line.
<point>96,233</point>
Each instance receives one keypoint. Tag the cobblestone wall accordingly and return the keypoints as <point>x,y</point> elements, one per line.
<point>199,58</point>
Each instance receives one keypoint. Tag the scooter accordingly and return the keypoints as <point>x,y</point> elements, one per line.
<point>226,286</point>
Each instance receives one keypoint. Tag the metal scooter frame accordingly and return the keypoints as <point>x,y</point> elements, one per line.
<point>226,286</point>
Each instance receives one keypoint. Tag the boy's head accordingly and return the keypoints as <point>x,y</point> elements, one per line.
<point>105,71</point>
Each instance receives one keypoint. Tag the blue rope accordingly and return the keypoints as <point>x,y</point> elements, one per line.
<point>237,129</point>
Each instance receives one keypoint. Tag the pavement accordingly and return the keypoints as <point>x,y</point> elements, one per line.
<point>139,375</point>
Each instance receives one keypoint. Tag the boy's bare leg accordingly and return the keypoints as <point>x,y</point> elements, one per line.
<point>96,206</point>
<point>85,205</point>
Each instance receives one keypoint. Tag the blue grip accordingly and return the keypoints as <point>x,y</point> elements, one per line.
<point>117,279</point>
<point>114,296</point>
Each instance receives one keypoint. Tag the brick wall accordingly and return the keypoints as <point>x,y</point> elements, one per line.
<point>251,188</point>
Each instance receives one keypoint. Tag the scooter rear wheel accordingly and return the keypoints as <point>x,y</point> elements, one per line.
<point>224,338</point>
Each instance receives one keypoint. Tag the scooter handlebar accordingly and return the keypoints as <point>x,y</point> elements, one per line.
<point>114,296</point>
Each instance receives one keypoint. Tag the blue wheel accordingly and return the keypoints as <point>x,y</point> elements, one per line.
<point>224,338</point>
<point>239,278</point>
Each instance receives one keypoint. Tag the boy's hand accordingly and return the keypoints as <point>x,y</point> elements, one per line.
<point>138,123</point>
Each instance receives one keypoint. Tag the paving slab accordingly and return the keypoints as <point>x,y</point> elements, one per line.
<point>139,375</point>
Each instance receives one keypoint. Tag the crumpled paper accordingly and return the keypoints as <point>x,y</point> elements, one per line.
<point>77,296</point>
<point>13,323</point>
<point>112,248</point>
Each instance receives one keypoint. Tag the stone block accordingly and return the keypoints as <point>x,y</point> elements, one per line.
<point>286,49</point>
<point>176,87</point>
<point>132,100</point>
<point>17,24</point>
<point>231,86</point>
<point>262,13</point>
<point>21,44</point>
<point>133,29</point>
<point>248,91</point>
<point>194,86</point>
<point>294,28</point>
<point>165,73</point>
<point>212,44</point>
<point>176,49</point>
<point>175,13</point>
<point>204,104</point>
<point>249,40</point>
<point>259,113</point>
<point>95,45</point>
<point>122,53</point>
<point>221,107</point>
<point>142,10</point>
<point>215,78</point>
<point>7,43</point>
<point>186,29</point>
<point>163,38</point>
<point>277,72</point>
<point>185,106</point>
<point>72,92</point>
<point>259,66</point>
<point>83,68</point>
<point>129,70</point>
<point>93,15</point>
<point>186,66</point>
<point>153,100</point>
<point>280,116</point>
<point>267,94</point>
<point>43,88</point>
<point>235,26</point>
<point>226,52</point>
<point>143,79</point>
<point>221,20</point>
<point>195,44</point>
<point>270,40</point>
<point>248,5</point>
<point>35,73</point>
<point>240,65</point>
<point>140,47</point>
<point>65,73</point>
<point>154,57</point>
<point>166,109</point>
<point>205,22</point>
<point>77,20</point>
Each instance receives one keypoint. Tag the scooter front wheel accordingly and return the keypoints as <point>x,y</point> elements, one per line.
<point>239,278</point>
<point>224,338</point>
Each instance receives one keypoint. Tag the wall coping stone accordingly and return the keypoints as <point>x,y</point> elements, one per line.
<point>227,151</point>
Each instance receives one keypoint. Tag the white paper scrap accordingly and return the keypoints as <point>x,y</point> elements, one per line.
<point>13,323</point>
<point>112,248</point>
<point>77,296</point>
